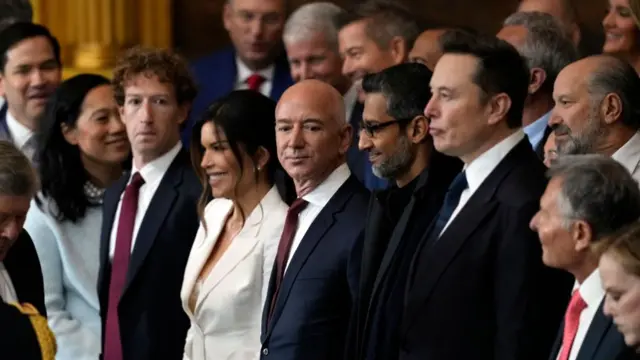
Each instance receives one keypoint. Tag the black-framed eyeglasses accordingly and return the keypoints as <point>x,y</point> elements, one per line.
<point>373,128</point>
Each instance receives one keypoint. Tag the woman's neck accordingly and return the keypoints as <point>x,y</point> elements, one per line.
<point>102,175</point>
<point>248,201</point>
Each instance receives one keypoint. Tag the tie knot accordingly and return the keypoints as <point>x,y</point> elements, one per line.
<point>577,304</point>
<point>254,81</point>
<point>297,206</point>
<point>136,181</point>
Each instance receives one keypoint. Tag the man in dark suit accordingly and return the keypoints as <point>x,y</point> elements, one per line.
<point>547,50</point>
<point>477,288</point>
<point>30,70</point>
<point>589,198</point>
<point>315,277</point>
<point>150,218</point>
<point>395,134</point>
<point>256,59</point>
<point>23,326</point>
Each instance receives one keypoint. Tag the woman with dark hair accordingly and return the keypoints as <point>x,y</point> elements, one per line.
<point>225,283</point>
<point>82,146</point>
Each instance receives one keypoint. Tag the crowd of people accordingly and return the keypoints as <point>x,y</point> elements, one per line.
<point>337,184</point>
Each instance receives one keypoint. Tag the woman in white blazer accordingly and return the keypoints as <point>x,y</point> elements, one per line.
<point>227,274</point>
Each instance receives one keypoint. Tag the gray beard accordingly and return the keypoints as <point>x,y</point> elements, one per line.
<point>586,142</point>
<point>396,164</point>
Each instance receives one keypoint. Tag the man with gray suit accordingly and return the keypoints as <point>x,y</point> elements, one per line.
<point>589,198</point>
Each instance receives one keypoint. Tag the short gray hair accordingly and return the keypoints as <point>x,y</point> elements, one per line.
<point>17,176</point>
<point>314,18</point>
<point>598,190</point>
<point>547,46</point>
<point>12,11</point>
<point>617,76</point>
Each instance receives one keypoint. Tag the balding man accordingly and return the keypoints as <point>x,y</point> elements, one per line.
<point>427,49</point>
<point>563,10</point>
<point>596,110</point>
<point>314,281</point>
<point>539,38</point>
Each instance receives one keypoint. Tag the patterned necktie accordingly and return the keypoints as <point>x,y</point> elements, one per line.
<point>451,200</point>
<point>571,323</point>
<point>284,247</point>
<point>120,266</point>
<point>255,81</point>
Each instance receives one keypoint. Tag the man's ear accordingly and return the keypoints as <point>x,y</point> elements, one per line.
<point>418,129</point>
<point>498,107</point>
<point>536,79</point>
<point>2,85</point>
<point>399,50</point>
<point>611,108</point>
<point>227,15</point>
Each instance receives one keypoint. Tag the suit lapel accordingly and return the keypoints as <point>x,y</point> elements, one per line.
<point>596,333</point>
<point>323,222</point>
<point>4,128</point>
<point>438,253</point>
<point>558,343</point>
<point>281,77</point>
<point>109,208</point>
<point>154,218</point>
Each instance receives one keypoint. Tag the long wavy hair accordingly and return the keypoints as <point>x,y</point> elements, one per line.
<point>62,174</point>
<point>247,119</point>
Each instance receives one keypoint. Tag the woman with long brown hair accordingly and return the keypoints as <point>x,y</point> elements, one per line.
<point>227,275</point>
<point>622,31</point>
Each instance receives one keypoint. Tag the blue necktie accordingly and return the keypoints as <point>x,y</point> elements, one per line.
<point>451,200</point>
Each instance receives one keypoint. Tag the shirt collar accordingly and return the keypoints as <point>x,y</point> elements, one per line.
<point>480,168</point>
<point>321,195</point>
<point>244,72</point>
<point>19,133</point>
<point>629,154</point>
<point>591,289</point>
<point>535,130</point>
<point>155,170</point>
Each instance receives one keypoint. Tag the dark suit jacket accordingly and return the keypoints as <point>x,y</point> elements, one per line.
<point>18,338</point>
<point>481,291</point>
<point>384,235</point>
<point>312,310</point>
<point>4,128</point>
<point>216,77</point>
<point>603,341</point>
<point>23,265</point>
<point>152,322</point>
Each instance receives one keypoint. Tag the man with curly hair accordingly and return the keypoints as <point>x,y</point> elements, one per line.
<point>150,218</point>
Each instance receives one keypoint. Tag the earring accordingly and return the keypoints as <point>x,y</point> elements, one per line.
<point>259,168</point>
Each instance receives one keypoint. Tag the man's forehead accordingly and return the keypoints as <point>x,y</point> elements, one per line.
<point>454,69</point>
<point>30,47</point>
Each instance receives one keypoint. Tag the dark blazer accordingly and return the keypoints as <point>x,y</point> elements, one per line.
<point>312,310</point>
<point>481,291</point>
<point>216,76</point>
<point>603,341</point>
<point>384,234</point>
<point>18,337</point>
<point>152,322</point>
<point>4,128</point>
<point>23,265</point>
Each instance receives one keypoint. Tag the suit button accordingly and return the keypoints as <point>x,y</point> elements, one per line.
<point>265,351</point>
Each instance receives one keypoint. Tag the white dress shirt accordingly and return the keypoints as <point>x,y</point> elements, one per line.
<point>152,173</point>
<point>7,291</point>
<point>317,199</point>
<point>350,98</point>
<point>480,168</point>
<point>20,135</point>
<point>592,293</point>
<point>244,72</point>
<point>629,156</point>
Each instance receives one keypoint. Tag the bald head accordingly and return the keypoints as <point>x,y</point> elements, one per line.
<point>427,50</point>
<point>312,133</point>
<point>563,10</point>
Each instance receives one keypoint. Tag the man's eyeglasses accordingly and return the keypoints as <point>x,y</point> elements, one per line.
<point>372,129</point>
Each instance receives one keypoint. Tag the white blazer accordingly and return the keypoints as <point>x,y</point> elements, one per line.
<point>228,311</point>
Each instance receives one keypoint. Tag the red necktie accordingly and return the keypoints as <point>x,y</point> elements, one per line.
<point>571,323</point>
<point>119,266</point>
<point>254,81</point>
<point>284,247</point>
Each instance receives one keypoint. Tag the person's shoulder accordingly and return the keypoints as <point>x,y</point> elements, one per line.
<point>212,61</point>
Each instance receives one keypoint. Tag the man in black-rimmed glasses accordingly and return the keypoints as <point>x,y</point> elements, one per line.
<point>395,134</point>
